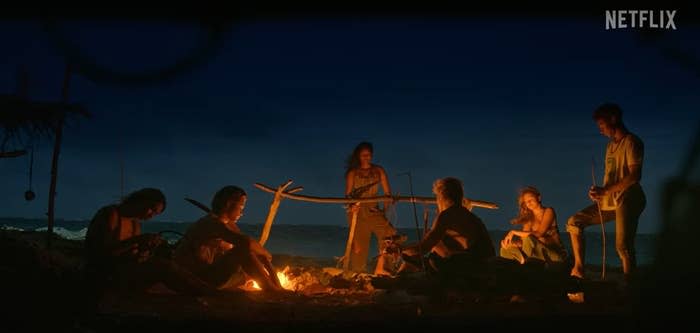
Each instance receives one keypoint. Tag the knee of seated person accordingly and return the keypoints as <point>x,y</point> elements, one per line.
<point>530,240</point>
<point>505,253</point>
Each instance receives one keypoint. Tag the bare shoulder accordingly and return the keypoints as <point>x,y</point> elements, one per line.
<point>549,212</point>
<point>378,168</point>
<point>350,173</point>
<point>111,215</point>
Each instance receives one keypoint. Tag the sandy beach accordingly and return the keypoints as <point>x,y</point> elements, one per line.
<point>47,287</point>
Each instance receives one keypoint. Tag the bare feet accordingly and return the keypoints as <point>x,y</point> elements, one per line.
<point>577,272</point>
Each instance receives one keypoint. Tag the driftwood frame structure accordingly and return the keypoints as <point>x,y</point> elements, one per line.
<point>21,116</point>
<point>282,192</point>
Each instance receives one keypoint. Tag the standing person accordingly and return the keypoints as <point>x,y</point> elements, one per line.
<point>118,254</point>
<point>539,237</point>
<point>621,197</point>
<point>362,179</point>
<point>217,252</point>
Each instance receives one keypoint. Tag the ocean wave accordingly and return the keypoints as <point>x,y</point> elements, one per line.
<point>9,227</point>
<point>67,234</point>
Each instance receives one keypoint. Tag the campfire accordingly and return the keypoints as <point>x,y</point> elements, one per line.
<point>308,280</point>
<point>287,281</point>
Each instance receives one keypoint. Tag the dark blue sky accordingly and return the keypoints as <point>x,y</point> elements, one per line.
<point>498,103</point>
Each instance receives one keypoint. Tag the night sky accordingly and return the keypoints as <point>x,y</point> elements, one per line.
<point>498,103</point>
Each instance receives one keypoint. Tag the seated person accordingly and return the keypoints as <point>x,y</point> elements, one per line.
<point>458,240</point>
<point>215,250</point>
<point>118,253</point>
<point>389,260</point>
<point>539,238</point>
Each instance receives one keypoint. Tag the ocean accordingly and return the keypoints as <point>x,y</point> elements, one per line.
<point>326,241</point>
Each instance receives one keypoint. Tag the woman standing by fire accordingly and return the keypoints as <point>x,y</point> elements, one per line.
<point>362,179</point>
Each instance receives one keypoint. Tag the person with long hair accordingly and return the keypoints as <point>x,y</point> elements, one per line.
<point>118,254</point>
<point>215,250</point>
<point>539,237</point>
<point>362,179</point>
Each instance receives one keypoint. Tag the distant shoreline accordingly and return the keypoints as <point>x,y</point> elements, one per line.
<point>4,220</point>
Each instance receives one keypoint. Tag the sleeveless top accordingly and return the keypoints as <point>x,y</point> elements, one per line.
<point>366,182</point>
<point>551,235</point>
<point>96,253</point>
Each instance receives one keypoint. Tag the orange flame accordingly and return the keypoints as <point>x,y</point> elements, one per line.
<point>284,281</point>
<point>252,285</point>
<point>256,286</point>
<point>281,275</point>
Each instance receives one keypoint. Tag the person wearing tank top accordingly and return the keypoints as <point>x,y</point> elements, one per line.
<point>539,238</point>
<point>620,199</point>
<point>118,255</point>
<point>362,179</point>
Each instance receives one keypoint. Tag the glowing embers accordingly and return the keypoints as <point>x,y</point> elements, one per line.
<point>285,281</point>
<point>251,285</point>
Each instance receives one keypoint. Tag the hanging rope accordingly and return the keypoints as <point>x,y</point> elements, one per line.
<point>29,195</point>
<point>426,218</point>
<point>395,216</point>
<point>415,218</point>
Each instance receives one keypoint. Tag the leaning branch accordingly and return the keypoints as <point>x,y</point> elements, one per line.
<point>336,200</point>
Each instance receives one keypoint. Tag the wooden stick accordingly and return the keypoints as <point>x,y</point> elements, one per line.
<point>54,159</point>
<point>468,203</point>
<point>199,204</point>
<point>274,206</point>
<point>14,153</point>
<point>351,237</point>
<point>295,190</point>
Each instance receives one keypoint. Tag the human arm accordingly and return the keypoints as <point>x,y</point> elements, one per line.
<point>436,233</point>
<point>114,245</point>
<point>234,236</point>
<point>349,184</point>
<point>630,179</point>
<point>508,240</point>
<point>634,155</point>
<point>525,232</point>
<point>385,186</point>
<point>548,217</point>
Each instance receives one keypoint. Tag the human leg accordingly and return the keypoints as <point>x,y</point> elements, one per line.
<point>385,261</point>
<point>240,258</point>
<point>512,253</point>
<point>360,246</point>
<point>575,225</point>
<point>627,215</point>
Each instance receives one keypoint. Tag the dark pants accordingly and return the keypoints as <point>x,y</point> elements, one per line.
<point>139,276</point>
<point>143,275</point>
<point>455,266</point>
<point>227,271</point>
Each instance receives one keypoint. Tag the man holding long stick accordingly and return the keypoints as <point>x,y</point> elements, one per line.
<point>621,197</point>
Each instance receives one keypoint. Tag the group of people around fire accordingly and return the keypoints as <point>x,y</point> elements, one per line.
<point>214,255</point>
